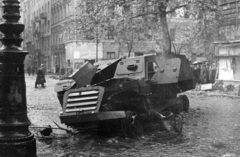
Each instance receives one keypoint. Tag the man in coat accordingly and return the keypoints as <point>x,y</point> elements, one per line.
<point>40,76</point>
<point>196,72</point>
<point>33,69</point>
<point>29,70</point>
<point>212,73</point>
<point>203,74</point>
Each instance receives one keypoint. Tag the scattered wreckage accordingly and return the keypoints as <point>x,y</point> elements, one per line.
<point>128,92</point>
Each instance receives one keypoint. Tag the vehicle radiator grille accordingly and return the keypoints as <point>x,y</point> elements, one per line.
<point>81,101</point>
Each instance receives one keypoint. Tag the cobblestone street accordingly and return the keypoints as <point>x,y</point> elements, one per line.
<point>211,129</point>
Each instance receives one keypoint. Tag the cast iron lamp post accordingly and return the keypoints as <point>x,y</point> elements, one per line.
<point>15,138</point>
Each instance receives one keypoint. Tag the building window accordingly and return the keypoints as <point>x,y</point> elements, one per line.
<point>48,26</point>
<point>110,33</point>
<point>110,55</point>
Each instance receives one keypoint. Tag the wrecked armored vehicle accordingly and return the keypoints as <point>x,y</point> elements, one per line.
<point>129,91</point>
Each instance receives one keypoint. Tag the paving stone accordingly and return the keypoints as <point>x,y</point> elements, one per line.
<point>211,129</point>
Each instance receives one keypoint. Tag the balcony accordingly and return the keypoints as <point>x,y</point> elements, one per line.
<point>38,34</point>
<point>41,34</point>
<point>232,21</point>
<point>43,16</point>
<point>37,19</point>
<point>224,2</point>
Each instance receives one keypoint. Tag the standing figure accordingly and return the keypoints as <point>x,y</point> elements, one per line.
<point>69,70</point>
<point>62,71</point>
<point>57,69</point>
<point>212,73</point>
<point>203,74</point>
<point>207,72</point>
<point>196,72</point>
<point>29,70</point>
<point>40,77</point>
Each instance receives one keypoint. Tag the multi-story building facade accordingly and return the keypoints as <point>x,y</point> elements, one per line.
<point>228,51</point>
<point>63,30</point>
<point>52,37</point>
<point>36,17</point>
<point>231,19</point>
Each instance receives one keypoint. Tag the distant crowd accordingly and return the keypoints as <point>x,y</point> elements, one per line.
<point>204,72</point>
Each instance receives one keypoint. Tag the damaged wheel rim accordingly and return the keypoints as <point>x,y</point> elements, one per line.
<point>131,126</point>
<point>177,123</point>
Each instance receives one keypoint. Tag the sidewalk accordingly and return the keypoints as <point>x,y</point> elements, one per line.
<point>217,93</point>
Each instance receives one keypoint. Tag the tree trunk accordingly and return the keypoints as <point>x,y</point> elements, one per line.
<point>130,46</point>
<point>166,42</point>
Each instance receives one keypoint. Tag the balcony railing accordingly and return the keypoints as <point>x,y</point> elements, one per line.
<point>38,34</point>
<point>43,15</point>
<point>223,2</point>
<point>229,22</point>
<point>37,19</point>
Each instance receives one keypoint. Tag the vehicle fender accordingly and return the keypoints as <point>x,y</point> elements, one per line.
<point>128,100</point>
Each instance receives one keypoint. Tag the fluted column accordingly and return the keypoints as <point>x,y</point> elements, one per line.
<point>15,138</point>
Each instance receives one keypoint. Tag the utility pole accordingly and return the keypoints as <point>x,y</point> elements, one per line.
<point>15,138</point>
<point>97,42</point>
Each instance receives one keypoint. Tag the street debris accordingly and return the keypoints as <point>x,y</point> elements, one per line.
<point>218,89</point>
<point>218,85</point>
<point>206,86</point>
<point>112,140</point>
<point>230,87</point>
<point>46,131</point>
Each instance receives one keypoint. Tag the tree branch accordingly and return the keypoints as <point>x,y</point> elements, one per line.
<point>175,8</point>
<point>144,14</point>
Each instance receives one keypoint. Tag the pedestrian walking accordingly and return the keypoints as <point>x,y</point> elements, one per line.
<point>33,69</point>
<point>40,77</point>
<point>29,70</point>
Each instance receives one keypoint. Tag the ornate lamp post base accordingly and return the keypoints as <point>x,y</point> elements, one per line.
<point>15,138</point>
<point>18,149</point>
